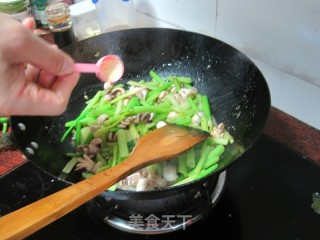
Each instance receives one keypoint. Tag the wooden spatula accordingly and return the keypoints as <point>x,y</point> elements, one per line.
<point>159,145</point>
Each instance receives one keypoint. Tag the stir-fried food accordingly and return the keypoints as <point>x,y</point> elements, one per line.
<point>117,116</point>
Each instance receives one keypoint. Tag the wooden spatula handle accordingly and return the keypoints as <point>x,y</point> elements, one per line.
<point>29,219</point>
<point>161,144</point>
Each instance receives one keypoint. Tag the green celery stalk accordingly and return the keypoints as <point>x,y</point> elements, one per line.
<point>206,172</point>
<point>114,155</point>
<point>159,117</point>
<point>145,103</point>
<point>206,107</point>
<point>153,96</point>
<point>114,119</point>
<point>78,133</point>
<point>125,95</point>
<point>4,127</point>
<point>113,188</point>
<point>68,124</point>
<point>229,137</point>
<point>172,100</point>
<point>218,140</point>
<point>101,169</point>
<point>92,102</point>
<point>98,111</point>
<point>185,180</point>
<point>217,151</point>
<point>152,169</point>
<point>213,156</point>
<point>211,161</point>
<point>156,77</point>
<point>134,132</point>
<point>186,121</point>
<point>204,124</point>
<point>184,80</point>
<point>204,153</point>
<point>119,107</point>
<point>109,125</point>
<point>87,174</point>
<point>88,138</point>
<point>87,120</point>
<point>70,165</point>
<point>101,159</point>
<point>192,104</point>
<point>4,119</point>
<point>72,154</point>
<point>122,143</point>
<point>157,91</point>
<point>135,101</point>
<point>143,130</point>
<point>182,164</point>
<point>175,81</point>
<point>150,125</point>
<point>155,109</point>
<point>119,85</point>
<point>190,158</point>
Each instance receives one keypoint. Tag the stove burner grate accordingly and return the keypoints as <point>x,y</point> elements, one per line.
<point>182,210</point>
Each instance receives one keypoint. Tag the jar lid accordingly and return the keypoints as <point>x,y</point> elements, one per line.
<point>13,6</point>
<point>11,1</point>
<point>56,10</point>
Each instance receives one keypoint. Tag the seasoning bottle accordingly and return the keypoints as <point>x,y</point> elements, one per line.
<point>18,9</point>
<point>60,23</point>
<point>40,14</point>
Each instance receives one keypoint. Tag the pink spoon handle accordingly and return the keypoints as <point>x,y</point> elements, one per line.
<point>86,68</point>
<point>108,68</point>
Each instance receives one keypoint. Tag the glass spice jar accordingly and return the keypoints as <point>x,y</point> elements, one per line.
<point>60,23</point>
<point>18,9</point>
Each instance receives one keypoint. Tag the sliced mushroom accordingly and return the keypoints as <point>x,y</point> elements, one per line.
<point>118,91</point>
<point>85,163</point>
<point>218,131</point>
<point>185,92</point>
<point>102,118</point>
<point>142,93</point>
<point>112,137</point>
<point>96,141</point>
<point>126,122</point>
<point>144,117</point>
<point>162,96</point>
<point>172,115</point>
<point>107,86</point>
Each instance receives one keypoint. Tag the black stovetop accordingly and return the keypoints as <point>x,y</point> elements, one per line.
<point>268,195</point>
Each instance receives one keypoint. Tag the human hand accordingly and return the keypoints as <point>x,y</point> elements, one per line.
<point>35,78</point>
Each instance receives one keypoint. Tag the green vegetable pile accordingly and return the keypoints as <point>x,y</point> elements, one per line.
<point>113,120</point>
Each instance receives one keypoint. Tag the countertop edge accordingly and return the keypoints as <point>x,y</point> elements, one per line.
<point>294,134</point>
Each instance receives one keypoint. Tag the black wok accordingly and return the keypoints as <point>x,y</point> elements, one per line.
<point>237,91</point>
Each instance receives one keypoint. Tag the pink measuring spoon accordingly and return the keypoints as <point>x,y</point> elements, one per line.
<point>109,68</point>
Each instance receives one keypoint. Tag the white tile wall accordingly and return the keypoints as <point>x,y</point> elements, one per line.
<point>282,33</point>
<point>292,95</point>
<point>281,36</point>
<point>192,15</point>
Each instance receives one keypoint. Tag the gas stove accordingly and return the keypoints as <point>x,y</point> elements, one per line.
<point>271,193</point>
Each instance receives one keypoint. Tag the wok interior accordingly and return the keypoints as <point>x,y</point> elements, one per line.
<point>237,91</point>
